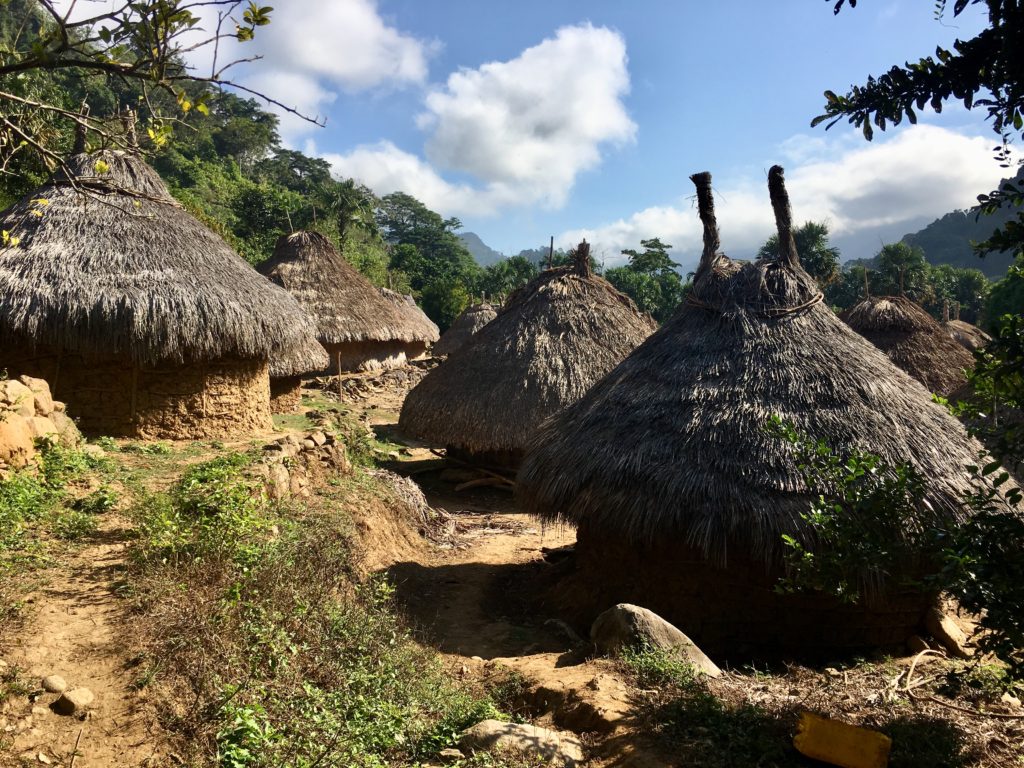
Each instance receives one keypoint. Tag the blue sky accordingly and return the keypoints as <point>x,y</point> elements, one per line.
<point>528,119</point>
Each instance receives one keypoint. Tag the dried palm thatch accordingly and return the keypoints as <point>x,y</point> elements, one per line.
<point>422,328</point>
<point>309,357</point>
<point>913,340</point>
<point>345,306</point>
<point>551,341</point>
<point>971,337</point>
<point>672,446</point>
<point>107,263</point>
<point>465,326</point>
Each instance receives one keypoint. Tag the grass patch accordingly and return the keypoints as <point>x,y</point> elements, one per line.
<point>271,655</point>
<point>698,726</point>
<point>38,506</point>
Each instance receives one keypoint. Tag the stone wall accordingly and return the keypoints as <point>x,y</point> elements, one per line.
<point>28,414</point>
<point>285,395</point>
<point>111,396</point>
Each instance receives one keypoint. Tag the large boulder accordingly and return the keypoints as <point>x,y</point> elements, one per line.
<point>67,431</point>
<point>556,748</point>
<point>630,626</point>
<point>16,445</point>
<point>16,398</point>
<point>42,399</point>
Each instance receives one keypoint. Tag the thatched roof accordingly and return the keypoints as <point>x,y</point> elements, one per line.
<point>114,265</point>
<point>345,306</point>
<point>465,326</point>
<point>415,319</point>
<point>913,340</point>
<point>672,443</point>
<point>970,337</point>
<point>309,357</point>
<point>547,346</point>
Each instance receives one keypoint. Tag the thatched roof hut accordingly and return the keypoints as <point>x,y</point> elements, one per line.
<point>287,371</point>
<point>913,340</point>
<point>425,330</point>
<point>969,336</point>
<point>359,327</point>
<point>464,328</point>
<point>550,343</point>
<point>141,318</point>
<point>679,493</point>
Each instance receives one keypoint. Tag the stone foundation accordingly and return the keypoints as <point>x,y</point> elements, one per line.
<point>285,395</point>
<point>112,396</point>
<point>731,613</point>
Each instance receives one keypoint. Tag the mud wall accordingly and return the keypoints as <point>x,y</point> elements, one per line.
<point>731,612</point>
<point>112,396</point>
<point>285,395</point>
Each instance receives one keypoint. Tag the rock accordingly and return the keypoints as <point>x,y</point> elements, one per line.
<point>74,702</point>
<point>93,451</point>
<point>626,626</point>
<point>54,684</point>
<point>308,445</point>
<point>68,432</point>
<point>947,633</point>
<point>558,748</point>
<point>18,398</point>
<point>42,428</point>
<point>42,757</point>
<point>318,437</point>
<point>16,445</point>
<point>278,482</point>
<point>42,399</point>
<point>1010,700</point>
<point>451,755</point>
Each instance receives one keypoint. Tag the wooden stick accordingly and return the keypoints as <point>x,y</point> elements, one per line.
<point>74,754</point>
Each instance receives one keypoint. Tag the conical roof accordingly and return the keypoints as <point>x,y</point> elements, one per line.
<point>465,326</point>
<point>554,338</point>
<point>307,358</point>
<point>102,260</point>
<point>414,318</point>
<point>672,443</point>
<point>913,340</point>
<point>343,304</point>
<point>968,336</point>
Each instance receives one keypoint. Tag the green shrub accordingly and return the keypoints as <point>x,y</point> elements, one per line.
<point>871,529</point>
<point>72,525</point>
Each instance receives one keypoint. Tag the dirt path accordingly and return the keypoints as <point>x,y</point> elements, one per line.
<point>74,631</point>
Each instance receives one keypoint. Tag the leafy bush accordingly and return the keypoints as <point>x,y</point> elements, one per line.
<point>871,530</point>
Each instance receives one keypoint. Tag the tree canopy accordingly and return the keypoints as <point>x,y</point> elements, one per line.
<point>650,279</point>
<point>818,257</point>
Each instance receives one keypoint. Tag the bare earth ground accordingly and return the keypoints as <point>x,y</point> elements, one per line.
<point>469,596</point>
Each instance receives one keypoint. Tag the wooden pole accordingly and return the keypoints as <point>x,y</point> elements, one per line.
<point>551,252</point>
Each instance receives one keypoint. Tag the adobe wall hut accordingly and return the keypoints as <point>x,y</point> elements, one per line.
<point>913,340</point>
<point>144,321</point>
<point>288,370</point>
<point>679,494</point>
<point>552,340</point>
<point>422,330</point>
<point>360,329</point>
<point>464,328</point>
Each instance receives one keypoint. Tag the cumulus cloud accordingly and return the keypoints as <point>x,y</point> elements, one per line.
<point>523,130</point>
<point>313,49</point>
<point>921,172</point>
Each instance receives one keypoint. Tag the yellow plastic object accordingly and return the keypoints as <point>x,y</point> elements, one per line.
<point>841,744</point>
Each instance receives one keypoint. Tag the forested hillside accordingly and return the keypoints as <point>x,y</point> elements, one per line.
<point>947,240</point>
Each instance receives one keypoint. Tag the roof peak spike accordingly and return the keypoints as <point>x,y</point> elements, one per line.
<point>783,216</point>
<point>81,129</point>
<point>706,210</point>
<point>581,259</point>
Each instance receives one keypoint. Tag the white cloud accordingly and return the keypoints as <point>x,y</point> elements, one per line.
<point>523,129</point>
<point>922,171</point>
<point>312,49</point>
